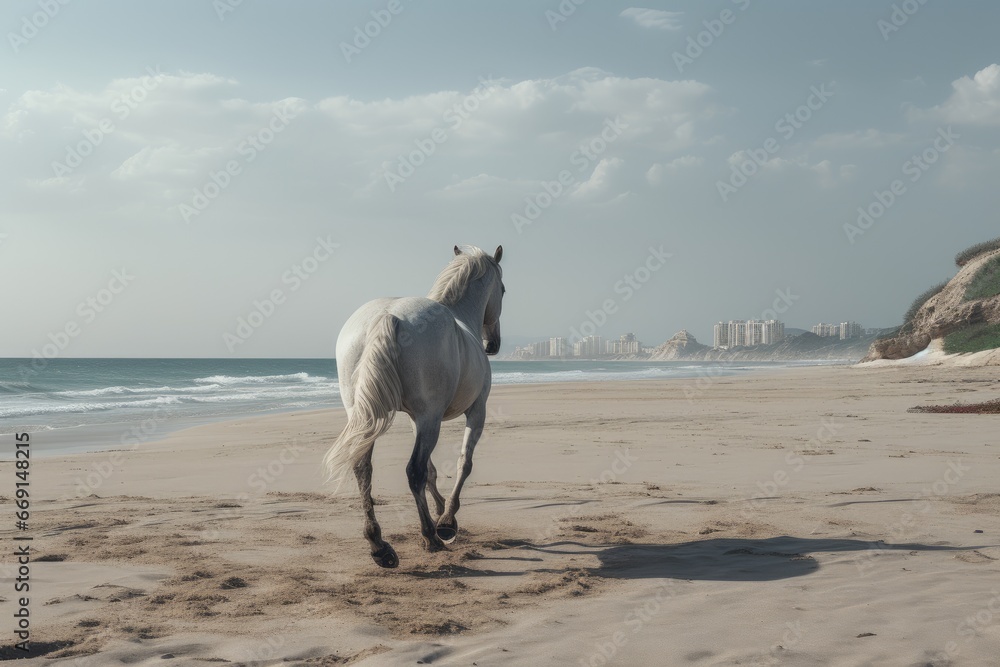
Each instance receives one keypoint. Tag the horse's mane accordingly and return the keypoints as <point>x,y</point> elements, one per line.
<point>471,265</point>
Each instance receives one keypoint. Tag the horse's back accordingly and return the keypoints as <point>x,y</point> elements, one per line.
<point>439,370</point>
<point>430,354</point>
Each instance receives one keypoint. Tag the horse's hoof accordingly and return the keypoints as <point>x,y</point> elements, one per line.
<point>386,557</point>
<point>434,544</point>
<point>448,531</point>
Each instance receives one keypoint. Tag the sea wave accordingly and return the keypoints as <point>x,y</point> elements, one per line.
<point>59,408</point>
<point>330,391</point>
<point>261,379</point>
<point>121,391</point>
<point>274,395</point>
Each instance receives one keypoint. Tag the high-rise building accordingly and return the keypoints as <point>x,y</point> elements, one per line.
<point>595,346</point>
<point>744,333</point>
<point>540,349</point>
<point>720,336</point>
<point>557,347</point>
<point>629,344</point>
<point>827,330</point>
<point>851,330</point>
<point>755,332</point>
<point>737,333</point>
<point>624,344</point>
<point>772,331</point>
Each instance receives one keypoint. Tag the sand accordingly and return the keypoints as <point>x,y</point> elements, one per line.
<point>798,517</point>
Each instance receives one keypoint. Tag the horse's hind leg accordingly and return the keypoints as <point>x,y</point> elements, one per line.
<point>417,472</point>
<point>382,553</point>
<point>432,487</point>
<point>475,418</point>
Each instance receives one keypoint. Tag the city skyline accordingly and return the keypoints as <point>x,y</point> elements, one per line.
<point>764,333</point>
<point>767,332</point>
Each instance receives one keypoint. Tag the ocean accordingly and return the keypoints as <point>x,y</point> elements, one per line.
<point>87,403</point>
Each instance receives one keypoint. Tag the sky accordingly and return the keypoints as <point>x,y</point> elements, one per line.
<point>233,179</point>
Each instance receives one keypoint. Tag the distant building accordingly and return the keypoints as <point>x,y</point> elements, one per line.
<point>744,333</point>
<point>843,331</point>
<point>737,333</point>
<point>625,344</point>
<point>720,336</point>
<point>629,344</point>
<point>589,347</point>
<point>755,332</point>
<point>595,346</point>
<point>772,331</point>
<point>557,347</point>
<point>539,350</point>
<point>827,330</point>
<point>851,330</point>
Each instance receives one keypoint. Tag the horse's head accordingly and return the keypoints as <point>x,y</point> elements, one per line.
<point>494,303</point>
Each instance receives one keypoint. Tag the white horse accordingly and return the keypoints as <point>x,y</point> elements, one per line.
<point>424,357</point>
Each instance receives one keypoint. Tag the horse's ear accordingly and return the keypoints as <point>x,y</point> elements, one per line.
<point>498,254</point>
<point>458,251</point>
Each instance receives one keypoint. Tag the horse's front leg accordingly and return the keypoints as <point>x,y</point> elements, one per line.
<point>427,430</point>
<point>432,488</point>
<point>475,418</point>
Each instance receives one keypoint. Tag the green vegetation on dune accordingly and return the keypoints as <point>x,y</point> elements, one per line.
<point>986,282</point>
<point>970,254</point>
<point>921,300</point>
<point>975,338</point>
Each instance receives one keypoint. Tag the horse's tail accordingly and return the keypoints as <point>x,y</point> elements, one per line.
<point>378,394</point>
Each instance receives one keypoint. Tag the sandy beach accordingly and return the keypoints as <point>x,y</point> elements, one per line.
<point>800,517</point>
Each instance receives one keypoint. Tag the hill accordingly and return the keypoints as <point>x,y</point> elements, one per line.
<point>964,313</point>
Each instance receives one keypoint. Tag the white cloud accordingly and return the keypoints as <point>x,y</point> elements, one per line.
<point>600,179</point>
<point>827,174</point>
<point>830,176</point>
<point>654,175</point>
<point>169,159</point>
<point>656,172</point>
<point>496,141</point>
<point>974,101</point>
<point>654,18</point>
<point>480,184</point>
<point>858,139</point>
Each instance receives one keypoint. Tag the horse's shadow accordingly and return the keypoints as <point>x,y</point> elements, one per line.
<point>713,559</point>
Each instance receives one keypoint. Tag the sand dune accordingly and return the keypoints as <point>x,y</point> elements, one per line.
<point>797,518</point>
<point>935,355</point>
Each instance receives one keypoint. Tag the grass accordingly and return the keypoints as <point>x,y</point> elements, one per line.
<point>976,338</point>
<point>921,300</point>
<point>986,282</point>
<point>970,254</point>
